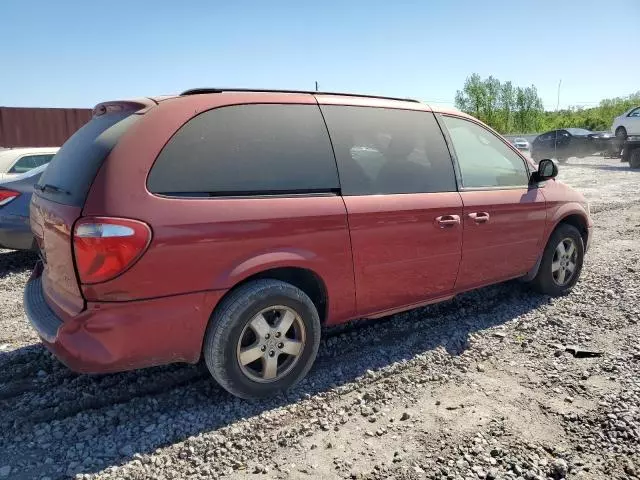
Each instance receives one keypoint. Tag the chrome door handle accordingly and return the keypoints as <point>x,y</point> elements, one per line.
<point>448,220</point>
<point>479,217</point>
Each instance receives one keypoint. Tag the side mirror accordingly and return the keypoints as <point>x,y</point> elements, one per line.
<point>547,169</point>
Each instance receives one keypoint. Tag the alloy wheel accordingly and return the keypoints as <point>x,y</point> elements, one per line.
<point>565,261</point>
<point>271,344</point>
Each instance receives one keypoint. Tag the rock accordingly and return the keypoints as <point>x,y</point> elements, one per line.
<point>558,469</point>
<point>630,469</point>
<point>5,471</point>
<point>568,399</point>
<point>405,416</point>
<point>492,474</point>
<point>480,367</point>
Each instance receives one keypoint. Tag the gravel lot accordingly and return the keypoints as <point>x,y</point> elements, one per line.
<point>479,387</point>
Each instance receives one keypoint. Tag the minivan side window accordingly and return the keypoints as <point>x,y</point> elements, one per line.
<point>485,161</point>
<point>29,162</point>
<point>248,149</point>
<point>388,151</point>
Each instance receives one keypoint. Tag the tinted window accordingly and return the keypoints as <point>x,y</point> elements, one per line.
<point>29,162</point>
<point>248,149</point>
<point>484,159</point>
<point>388,151</point>
<point>635,113</point>
<point>578,131</point>
<point>76,164</point>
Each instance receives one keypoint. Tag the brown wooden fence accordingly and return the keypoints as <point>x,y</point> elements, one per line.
<point>40,127</point>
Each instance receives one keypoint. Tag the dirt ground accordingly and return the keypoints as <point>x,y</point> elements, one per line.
<point>481,387</point>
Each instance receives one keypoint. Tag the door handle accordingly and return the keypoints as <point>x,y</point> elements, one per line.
<point>448,220</point>
<point>479,217</point>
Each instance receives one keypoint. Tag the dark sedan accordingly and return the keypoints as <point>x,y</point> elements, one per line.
<point>15,196</point>
<point>570,142</point>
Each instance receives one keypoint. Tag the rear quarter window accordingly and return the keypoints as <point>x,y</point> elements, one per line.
<point>245,150</point>
<point>74,167</point>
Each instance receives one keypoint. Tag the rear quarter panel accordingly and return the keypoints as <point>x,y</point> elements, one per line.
<point>211,244</point>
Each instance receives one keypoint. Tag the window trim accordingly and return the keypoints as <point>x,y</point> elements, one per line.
<point>454,155</point>
<point>249,194</point>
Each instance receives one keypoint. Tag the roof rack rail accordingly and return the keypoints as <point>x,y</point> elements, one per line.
<point>198,91</point>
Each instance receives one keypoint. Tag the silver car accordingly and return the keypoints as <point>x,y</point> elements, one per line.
<point>16,161</point>
<point>521,144</point>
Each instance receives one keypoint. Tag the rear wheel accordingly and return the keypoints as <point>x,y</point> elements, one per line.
<point>561,262</point>
<point>621,133</point>
<point>262,339</point>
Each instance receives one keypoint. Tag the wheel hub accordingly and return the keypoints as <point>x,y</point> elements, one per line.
<point>271,344</point>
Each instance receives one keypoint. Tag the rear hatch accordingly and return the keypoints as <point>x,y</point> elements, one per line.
<point>60,194</point>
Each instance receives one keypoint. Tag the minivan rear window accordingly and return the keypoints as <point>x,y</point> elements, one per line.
<point>73,169</point>
<point>257,149</point>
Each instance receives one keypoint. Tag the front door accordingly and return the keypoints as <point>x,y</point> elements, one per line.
<point>404,211</point>
<point>504,218</point>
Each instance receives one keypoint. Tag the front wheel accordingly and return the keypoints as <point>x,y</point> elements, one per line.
<point>262,339</point>
<point>621,133</point>
<point>561,262</point>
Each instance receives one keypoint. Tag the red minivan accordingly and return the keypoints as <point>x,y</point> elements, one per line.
<point>233,224</point>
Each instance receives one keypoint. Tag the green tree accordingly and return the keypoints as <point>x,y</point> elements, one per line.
<point>511,109</point>
<point>500,105</point>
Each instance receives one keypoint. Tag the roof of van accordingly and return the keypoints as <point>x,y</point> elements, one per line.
<point>379,100</point>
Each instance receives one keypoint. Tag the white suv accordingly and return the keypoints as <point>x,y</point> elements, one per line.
<point>627,124</point>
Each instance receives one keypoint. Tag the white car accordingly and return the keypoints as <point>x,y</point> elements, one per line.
<point>627,124</point>
<point>521,144</point>
<point>14,161</point>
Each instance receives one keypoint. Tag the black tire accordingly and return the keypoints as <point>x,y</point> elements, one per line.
<point>544,281</point>
<point>228,323</point>
<point>634,158</point>
<point>621,133</point>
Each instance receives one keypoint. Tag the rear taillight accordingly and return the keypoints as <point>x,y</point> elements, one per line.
<point>7,196</point>
<point>105,247</point>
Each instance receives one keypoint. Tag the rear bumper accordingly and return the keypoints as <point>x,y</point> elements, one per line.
<point>15,232</point>
<point>119,336</point>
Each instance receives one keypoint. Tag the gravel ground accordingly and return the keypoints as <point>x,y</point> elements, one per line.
<point>482,387</point>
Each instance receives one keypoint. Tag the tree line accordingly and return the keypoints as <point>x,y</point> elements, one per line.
<point>512,109</point>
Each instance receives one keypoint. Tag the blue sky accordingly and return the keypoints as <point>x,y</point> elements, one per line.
<point>71,53</point>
